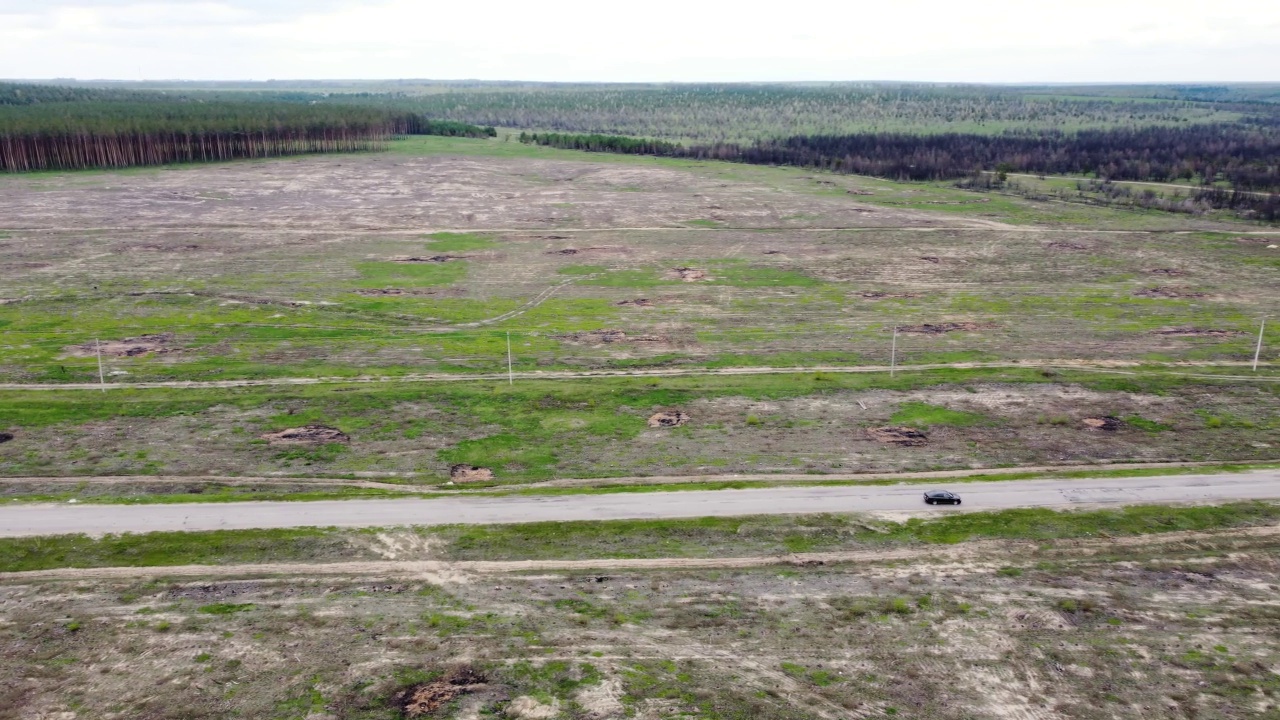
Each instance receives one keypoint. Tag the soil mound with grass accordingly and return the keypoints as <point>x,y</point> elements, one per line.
<point>307,435</point>
<point>1067,246</point>
<point>638,302</point>
<point>463,472</point>
<point>1170,272</point>
<point>688,274</point>
<point>901,436</point>
<point>1167,291</point>
<point>158,344</point>
<point>941,328</point>
<point>426,698</point>
<point>669,418</point>
<point>1196,332</point>
<point>1107,423</point>
<point>595,337</point>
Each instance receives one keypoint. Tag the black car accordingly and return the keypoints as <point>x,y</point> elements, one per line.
<point>936,497</point>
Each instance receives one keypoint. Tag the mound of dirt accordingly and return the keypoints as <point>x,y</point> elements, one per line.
<point>129,347</point>
<point>432,259</point>
<point>940,328</point>
<point>638,302</point>
<point>1067,246</point>
<point>577,251</point>
<point>901,436</point>
<point>595,337</point>
<point>463,472</point>
<point>772,252</point>
<point>1171,272</point>
<point>1167,291</point>
<point>877,295</point>
<point>859,192</point>
<point>528,708</point>
<point>1196,332</point>
<point>691,274</point>
<point>424,699</point>
<point>1107,423</point>
<point>669,418</point>
<point>387,292</point>
<point>931,259</point>
<point>307,435</point>
<point>5,437</point>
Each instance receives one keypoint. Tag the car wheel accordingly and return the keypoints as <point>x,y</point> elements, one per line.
<point>957,502</point>
<point>927,501</point>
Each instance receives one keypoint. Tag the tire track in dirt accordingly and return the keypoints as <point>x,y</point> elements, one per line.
<point>996,553</point>
<point>1107,366</point>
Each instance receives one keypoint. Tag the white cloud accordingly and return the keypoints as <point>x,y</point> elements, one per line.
<point>981,40</point>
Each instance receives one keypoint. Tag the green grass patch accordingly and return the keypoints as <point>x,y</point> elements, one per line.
<point>387,274</point>
<point>459,242</point>
<point>925,415</point>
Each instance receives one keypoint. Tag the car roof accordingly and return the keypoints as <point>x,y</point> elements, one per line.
<point>947,493</point>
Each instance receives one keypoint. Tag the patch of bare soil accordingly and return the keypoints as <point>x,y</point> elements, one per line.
<point>1167,291</point>
<point>1196,332</point>
<point>528,708</point>
<point>307,435</point>
<point>426,698</point>
<point>859,192</point>
<point>129,347</point>
<point>463,472</point>
<point>669,418</point>
<point>1107,423</point>
<point>586,250</point>
<point>638,302</point>
<point>877,295</point>
<point>688,274</point>
<point>1067,246</point>
<point>1171,272</point>
<point>432,259</point>
<point>940,328</point>
<point>901,436</point>
<point>595,337</point>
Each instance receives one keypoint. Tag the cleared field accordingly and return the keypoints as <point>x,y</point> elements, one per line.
<point>1045,629</point>
<point>425,260</point>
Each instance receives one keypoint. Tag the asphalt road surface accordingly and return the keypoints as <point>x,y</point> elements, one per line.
<point>27,520</point>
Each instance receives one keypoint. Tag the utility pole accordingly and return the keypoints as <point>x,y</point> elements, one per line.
<point>893,354</point>
<point>511,376</point>
<point>102,380</point>
<point>1257,352</point>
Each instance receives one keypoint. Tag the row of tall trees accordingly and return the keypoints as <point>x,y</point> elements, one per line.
<point>603,143</point>
<point>1247,156</point>
<point>67,132</point>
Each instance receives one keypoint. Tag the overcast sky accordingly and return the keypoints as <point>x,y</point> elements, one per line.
<point>660,40</point>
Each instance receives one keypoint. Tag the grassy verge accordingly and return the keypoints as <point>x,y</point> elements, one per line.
<point>703,537</point>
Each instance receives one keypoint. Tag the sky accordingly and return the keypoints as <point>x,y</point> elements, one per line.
<point>657,41</point>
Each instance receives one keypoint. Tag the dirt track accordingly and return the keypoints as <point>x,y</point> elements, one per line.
<point>1103,366</point>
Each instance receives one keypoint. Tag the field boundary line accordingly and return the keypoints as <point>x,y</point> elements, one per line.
<point>1107,366</point>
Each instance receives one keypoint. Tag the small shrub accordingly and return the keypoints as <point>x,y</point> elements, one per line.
<point>226,608</point>
<point>1009,572</point>
<point>754,420</point>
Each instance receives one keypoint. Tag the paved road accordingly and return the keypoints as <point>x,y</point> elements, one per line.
<point>26,520</point>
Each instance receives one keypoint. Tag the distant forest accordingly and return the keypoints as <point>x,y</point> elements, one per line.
<point>46,128</point>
